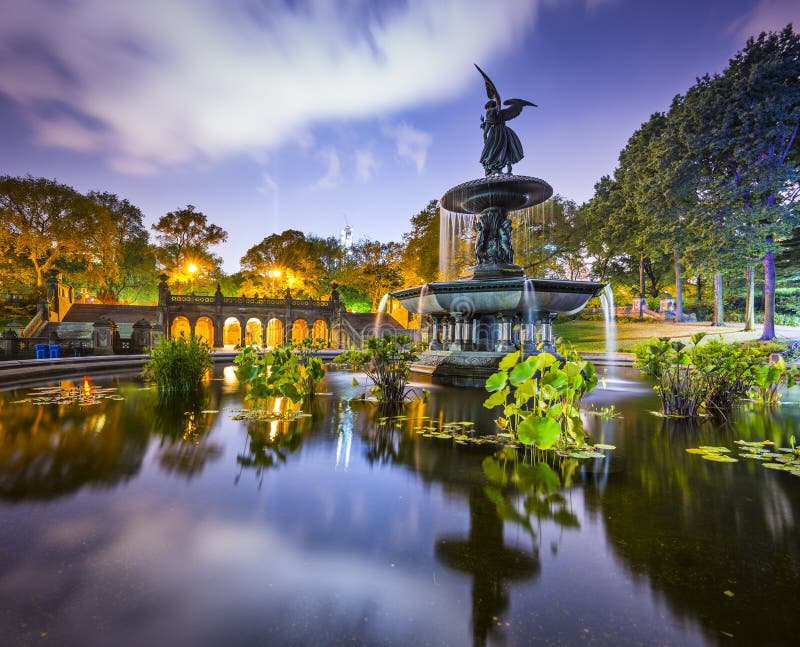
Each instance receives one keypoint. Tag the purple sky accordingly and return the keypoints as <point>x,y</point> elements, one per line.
<point>270,114</point>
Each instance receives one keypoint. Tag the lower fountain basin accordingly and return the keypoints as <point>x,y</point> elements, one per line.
<point>491,296</point>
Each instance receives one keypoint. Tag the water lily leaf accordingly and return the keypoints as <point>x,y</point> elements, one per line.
<point>720,450</point>
<point>496,399</point>
<point>521,373</point>
<point>775,466</point>
<point>603,446</point>
<point>508,361</point>
<point>542,432</point>
<point>717,458</point>
<point>695,450</point>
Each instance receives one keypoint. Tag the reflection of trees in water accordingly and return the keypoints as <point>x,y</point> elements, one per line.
<point>492,565</point>
<point>54,450</point>
<point>183,427</point>
<point>269,443</point>
<point>696,528</point>
<point>50,451</point>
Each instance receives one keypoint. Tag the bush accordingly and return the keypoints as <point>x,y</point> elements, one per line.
<point>541,397</point>
<point>288,371</point>
<point>179,365</point>
<point>386,362</point>
<point>708,379</point>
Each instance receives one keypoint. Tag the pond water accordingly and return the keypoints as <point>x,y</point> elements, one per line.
<point>126,522</point>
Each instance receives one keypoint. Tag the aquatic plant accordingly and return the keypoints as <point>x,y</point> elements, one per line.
<point>179,365</point>
<point>386,361</point>
<point>709,379</point>
<point>288,371</point>
<point>541,397</point>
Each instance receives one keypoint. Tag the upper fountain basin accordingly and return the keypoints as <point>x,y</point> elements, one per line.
<point>509,192</point>
<point>471,297</point>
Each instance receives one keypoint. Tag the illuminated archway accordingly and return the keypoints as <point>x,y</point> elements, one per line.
<point>299,329</point>
<point>320,330</point>
<point>180,328</point>
<point>274,332</point>
<point>253,332</point>
<point>204,329</point>
<point>232,332</point>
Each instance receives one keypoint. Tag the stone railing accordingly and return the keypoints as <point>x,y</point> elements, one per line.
<point>201,299</point>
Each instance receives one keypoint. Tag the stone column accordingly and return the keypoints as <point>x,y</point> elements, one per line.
<point>456,344</point>
<point>141,338</point>
<point>103,332</point>
<point>548,341</point>
<point>504,344</point>
<point>436,343</point>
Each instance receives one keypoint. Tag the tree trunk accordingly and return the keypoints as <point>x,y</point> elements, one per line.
<point>678,288</point>
<point>699,289</point>
<point>641,286</point>
<point>750,299</point>
<point>719,308</point>
<point>769,294</point>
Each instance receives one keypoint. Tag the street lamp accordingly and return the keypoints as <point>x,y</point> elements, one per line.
<point>273,274</point>
<point>192,269</point>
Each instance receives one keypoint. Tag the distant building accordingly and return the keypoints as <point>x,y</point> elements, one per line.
<point>346,238</point>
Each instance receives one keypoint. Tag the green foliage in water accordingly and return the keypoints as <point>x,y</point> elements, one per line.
<point>289,371</point>
<point>537,484</point>
<point>541,397</point>
<point>179,365</point>
<point>709,379</point>
<point>386,361</point>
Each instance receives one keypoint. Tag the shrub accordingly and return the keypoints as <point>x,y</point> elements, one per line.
<point>289,371</point>
<point>179,365</point>
<point>541,397</point>
<point>386,361</point>
<point>693,380</point>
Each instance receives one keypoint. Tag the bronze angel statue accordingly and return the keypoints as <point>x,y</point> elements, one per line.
<point>501,146</point>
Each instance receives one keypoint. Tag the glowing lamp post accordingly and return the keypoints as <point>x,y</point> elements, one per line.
<point>192,269</point>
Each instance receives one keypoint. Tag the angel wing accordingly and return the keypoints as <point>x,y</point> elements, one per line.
<point>516,106</point>
<point>491,91</point>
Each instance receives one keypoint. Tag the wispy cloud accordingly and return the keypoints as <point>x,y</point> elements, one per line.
<point>366,162</point>
<point>268,183</point>
<point>154,83</point>
<point>767,15</point>
<point>412,144</point>
<point>333,171</point>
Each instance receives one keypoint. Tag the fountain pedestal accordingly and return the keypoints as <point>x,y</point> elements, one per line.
<point>473,322</point>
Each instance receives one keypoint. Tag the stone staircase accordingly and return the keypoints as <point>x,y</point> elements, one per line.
<point>79,320</point>
<point>358,326</point>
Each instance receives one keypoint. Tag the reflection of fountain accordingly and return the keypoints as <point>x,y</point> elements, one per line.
<point>490,562</point>
<point>476,319</point>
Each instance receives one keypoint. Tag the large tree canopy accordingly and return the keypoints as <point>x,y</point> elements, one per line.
<point>45,222</point>
<point>184,241</point>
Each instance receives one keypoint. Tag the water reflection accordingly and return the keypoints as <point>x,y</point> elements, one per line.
<point>371,533</point>
<point>716,541</point>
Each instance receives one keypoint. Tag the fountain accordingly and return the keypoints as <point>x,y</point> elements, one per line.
<point>494,309</point>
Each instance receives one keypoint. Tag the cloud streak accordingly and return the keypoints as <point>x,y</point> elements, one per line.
<point>153,84</point>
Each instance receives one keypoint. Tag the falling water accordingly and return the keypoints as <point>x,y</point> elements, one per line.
<point>530,308</point>
<point>379,315</point>
<point>609,314</point>
<point>456,234</point>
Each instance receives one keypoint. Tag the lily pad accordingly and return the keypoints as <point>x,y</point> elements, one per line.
<point>718,458</point>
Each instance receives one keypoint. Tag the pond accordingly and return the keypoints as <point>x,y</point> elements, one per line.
<point>127,522</point>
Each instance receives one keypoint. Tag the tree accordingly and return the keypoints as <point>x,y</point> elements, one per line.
<point>44,222</point>
<point>123,261</point>
<point>742,128</point>
<point>374,268</point>
<point>184,238</point>
<point>304,264</point>
<point>421,253</point>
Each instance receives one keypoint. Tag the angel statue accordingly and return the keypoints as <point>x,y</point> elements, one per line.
<point>501,146</point>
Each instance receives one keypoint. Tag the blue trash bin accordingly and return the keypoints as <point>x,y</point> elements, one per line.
<point>55,350</point>
<point>41,351</point>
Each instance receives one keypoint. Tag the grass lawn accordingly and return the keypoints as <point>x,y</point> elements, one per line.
<point>591,335</point>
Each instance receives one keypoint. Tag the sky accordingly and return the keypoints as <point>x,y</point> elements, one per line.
<point>315,114</point>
